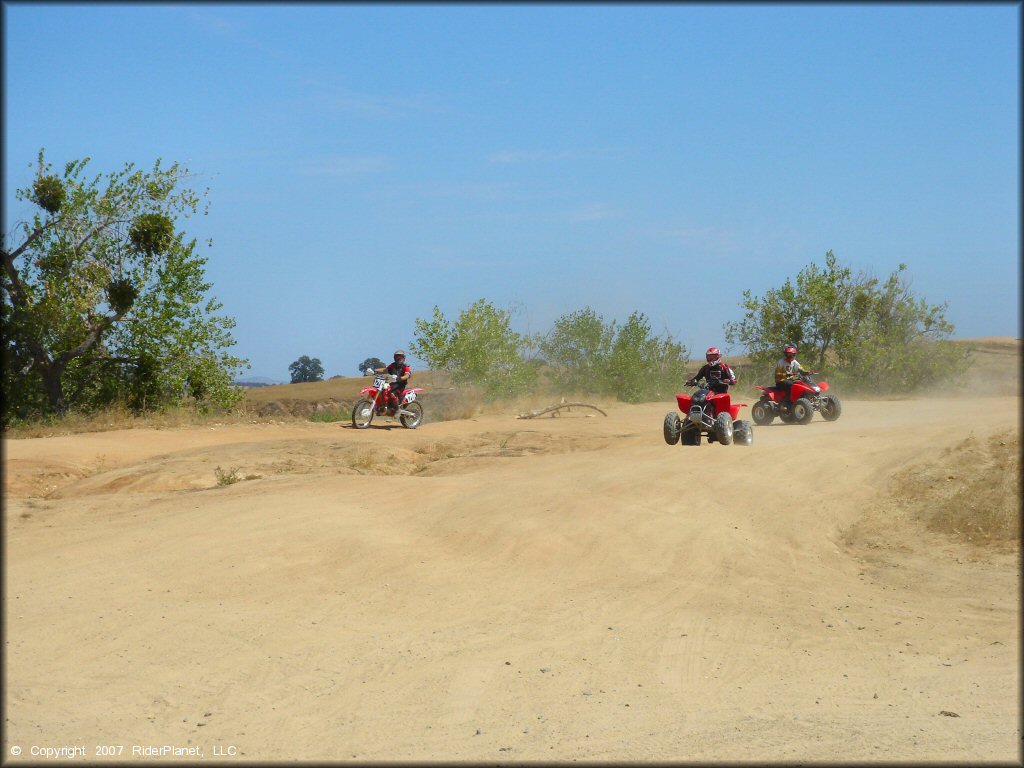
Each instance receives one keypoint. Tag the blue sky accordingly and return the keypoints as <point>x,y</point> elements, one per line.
<point>368,162</point>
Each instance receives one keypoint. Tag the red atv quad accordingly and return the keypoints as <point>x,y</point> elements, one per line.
<point>709,414</point>
<point>798,406</point>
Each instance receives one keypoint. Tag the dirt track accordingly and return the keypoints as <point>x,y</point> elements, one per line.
<point>509,590</point>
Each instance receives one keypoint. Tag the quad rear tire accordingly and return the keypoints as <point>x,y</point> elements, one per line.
<point>761,413</point>
<point>689,435</point>
<point>723,428</point>
<point>671,428</point>
<point>803,411</point>
<point>413,416</point>
<point>742,433</point>
<point>362,414</point>
<point>831,408</point>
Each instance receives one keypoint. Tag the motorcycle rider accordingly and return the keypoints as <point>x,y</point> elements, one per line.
<point>716,372</point>
<point>788,369</point>
<point>403,372</point>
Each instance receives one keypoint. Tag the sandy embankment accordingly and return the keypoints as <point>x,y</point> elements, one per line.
<point>500,589</point>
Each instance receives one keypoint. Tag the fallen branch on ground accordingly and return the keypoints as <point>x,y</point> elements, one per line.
<point>554,409</point>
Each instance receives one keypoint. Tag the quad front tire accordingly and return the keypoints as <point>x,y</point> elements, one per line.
<point>742,433</point>
<point>671,428</point>
<point>831,407</point>
<point>761,413</point>
<point>362,414</point>
<point>803,411</point>
<point>723,428</point>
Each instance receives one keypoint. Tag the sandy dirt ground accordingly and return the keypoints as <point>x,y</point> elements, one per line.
<point>509,590</point>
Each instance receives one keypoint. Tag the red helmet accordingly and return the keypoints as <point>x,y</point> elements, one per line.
<point>713,355</point>
<point>789,351</point>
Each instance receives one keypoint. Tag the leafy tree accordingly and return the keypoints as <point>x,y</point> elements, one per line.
<point>306,368</point>
<point>641,366</point>
<point>577,350</point>
<point>104,299</point>
<point>371,362</point>
<point>897,341</point>
<point>867,333</point>
<point>480,348</point>
<point>585,353</point>
<point>434,342</point>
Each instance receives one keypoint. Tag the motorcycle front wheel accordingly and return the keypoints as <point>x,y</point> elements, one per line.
<point>413,416</point>
<point>362,414</point>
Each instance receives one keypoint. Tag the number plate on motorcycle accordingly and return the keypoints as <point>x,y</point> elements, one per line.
<point>410,397</point>
<point>379,383</point>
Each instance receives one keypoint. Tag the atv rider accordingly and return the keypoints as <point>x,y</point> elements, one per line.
<point>403,372</point>
<point>715,372</point>
<point>788,369</point>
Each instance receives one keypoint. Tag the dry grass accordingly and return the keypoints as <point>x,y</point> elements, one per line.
<point>121,418</point>
<point>364,460</point>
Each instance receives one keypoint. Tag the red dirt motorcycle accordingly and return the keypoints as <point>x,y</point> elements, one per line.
<point>378,402</point>
<point>710,414</point>
<point>798,406</point>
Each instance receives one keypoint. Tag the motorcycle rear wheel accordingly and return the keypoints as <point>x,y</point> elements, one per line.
<point>362,414</point>
<point>414,417</point>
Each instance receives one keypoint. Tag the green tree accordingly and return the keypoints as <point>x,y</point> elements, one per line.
<point>306,368</point>
<point>898,341</point>
<point>433,342</point>
<point>577,350</point>
<point>103,298</point>
<point>480,348</point>
<point>642,366</point>
<point>866,333</point>
<point>371,362</point>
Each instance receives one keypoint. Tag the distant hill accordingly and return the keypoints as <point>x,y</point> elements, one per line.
<point>257,381</point>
